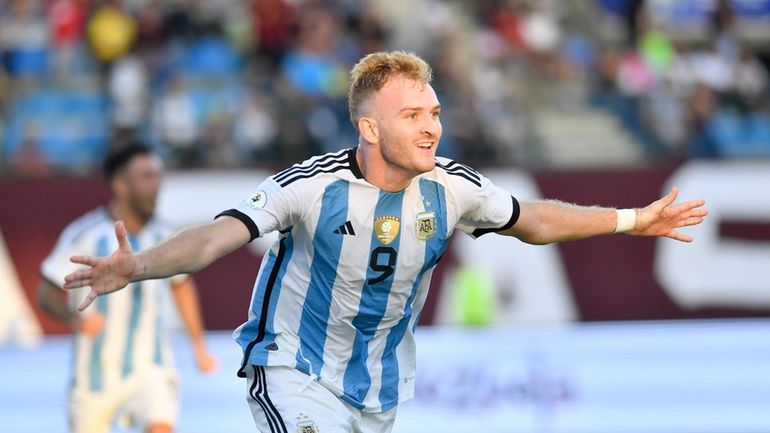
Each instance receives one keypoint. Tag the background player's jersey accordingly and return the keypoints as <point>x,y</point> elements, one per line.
<point>133,336</point>
<point>340,293</point>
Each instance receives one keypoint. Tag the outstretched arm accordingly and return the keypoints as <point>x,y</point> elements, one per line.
<point>53,300</point>
<point>188,251</point>
<point>543,222</point>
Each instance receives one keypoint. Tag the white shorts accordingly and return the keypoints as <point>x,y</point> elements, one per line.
<point>285,400</point>
<point>147,398</point>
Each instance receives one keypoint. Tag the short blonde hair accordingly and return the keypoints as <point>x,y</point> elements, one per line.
<point>371,72</point>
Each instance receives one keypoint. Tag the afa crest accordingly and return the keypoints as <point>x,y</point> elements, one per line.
<point>305,424</point>
<point>426,225</point>
<point>307,427</point>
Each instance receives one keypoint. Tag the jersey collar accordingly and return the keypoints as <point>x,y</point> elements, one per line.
<point>354,168</point>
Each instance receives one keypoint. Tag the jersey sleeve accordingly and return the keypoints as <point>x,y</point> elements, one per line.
<point>268,208</point>
<point>57,265</point>
<point>486,208</point>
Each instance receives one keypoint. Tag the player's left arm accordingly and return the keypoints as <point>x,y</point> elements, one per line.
<point>186,298</point>
<point>548,221</point>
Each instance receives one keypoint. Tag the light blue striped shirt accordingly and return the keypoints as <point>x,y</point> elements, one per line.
<point>133,337</point>
<point>340,292</point>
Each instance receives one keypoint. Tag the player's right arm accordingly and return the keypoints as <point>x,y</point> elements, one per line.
<point>188,251</point>
<point>53,301</point>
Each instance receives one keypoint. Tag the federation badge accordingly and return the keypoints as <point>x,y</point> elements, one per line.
<point>306,427</point>
<point>426,225</point>
<point>257,200</point>
<point>386,228</point>
<point>305,424</point>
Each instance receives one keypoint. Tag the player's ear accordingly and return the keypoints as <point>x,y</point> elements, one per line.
<point>367,127</point>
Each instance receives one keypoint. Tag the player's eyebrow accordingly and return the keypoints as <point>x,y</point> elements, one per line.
<point>436,107</point>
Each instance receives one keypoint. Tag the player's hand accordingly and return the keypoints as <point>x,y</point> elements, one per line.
<point>662,217</point>
<point>207,363</point>
<point>104,274</point>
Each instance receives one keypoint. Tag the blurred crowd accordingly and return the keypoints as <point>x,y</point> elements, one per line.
<point>243,83</point>
<point>692,83</point>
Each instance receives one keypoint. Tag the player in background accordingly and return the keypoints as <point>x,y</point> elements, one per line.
<point>328,345</point>
<point>123,366</point>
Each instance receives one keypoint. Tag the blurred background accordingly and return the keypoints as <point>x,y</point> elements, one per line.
<point>607,102</point>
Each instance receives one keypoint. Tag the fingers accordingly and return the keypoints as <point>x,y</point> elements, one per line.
<point>121,234</point>
<point>687,209</point>
<point>670,197</point>
<point>690,214</point>
<point>690,221</point>
<point>678,236</point>
<point>79,278</point>
<point>76,284</point>
<point>664,216</point>
<point>84,260</point>
<point>89,298</point>
<point>693,204</point>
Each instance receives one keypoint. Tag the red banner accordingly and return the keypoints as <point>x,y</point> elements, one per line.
<point>609,278</point>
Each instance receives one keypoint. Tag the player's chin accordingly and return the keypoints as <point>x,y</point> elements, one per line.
<point>147,212</point>
<point>426,164</point>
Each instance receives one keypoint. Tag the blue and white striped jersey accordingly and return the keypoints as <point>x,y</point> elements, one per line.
<point>340,292</point>
<point>133,336</point>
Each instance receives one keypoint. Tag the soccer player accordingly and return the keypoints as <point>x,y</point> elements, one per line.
<point>328,345</point>
<point>122,364</point>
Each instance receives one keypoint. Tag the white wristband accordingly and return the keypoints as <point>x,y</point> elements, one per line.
<point>626,220</point>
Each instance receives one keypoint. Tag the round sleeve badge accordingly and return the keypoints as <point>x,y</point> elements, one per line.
<point>257,200</point>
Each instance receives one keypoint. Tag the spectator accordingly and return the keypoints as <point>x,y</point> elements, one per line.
<point>67,20</point>
<point>751,79</point>
<point>128,88</point>
<point>175,124</point>
<point>111,31</point>
<point>255,130</point>
<point>24,40</point>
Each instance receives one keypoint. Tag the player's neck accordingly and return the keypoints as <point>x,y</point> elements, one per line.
<point>379,173</point>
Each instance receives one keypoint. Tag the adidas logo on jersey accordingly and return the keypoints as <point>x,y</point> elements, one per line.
<point>346,229</point>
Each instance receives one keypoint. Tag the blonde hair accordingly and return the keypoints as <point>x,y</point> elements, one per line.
<point>371,72</point>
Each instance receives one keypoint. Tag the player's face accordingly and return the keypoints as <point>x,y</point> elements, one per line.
<point>408,124</point>
<point>142,178</point>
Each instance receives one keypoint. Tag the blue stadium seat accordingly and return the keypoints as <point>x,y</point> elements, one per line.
<point>741,136</point>
<point>758,133</point>
<point>26,62</point>
<point>211,56</point>
<point>71,128</point>
<point>726,128</point>
<point>210,100</point>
